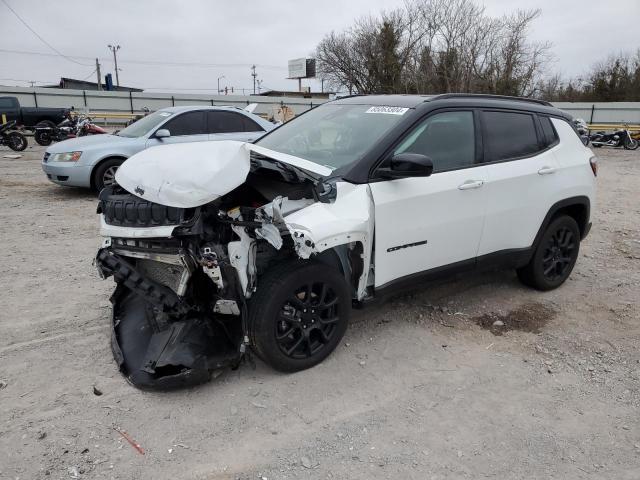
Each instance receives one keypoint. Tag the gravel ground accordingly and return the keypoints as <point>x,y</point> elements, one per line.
<point>422,387</point>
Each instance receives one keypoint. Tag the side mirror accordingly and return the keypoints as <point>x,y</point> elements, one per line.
<point>404,165</point>
<point>162,133</point>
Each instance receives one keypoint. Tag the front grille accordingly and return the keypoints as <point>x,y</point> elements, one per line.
<point>127,210</point>
<point>46,157</point>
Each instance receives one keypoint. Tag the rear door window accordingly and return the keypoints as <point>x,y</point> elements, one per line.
<point>230,122</point>
<point>190,123</point>
<point>509,135</point>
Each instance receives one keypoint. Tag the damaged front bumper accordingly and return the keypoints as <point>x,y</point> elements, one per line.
<point>159,339</point>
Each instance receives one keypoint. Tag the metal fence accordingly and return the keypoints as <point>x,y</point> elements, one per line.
<point>132,102</point>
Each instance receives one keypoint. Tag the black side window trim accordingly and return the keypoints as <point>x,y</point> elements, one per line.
<point>410,129</point>
<point>538,128</point>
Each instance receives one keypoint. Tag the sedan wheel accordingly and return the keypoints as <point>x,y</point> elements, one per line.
<point>104,175</point>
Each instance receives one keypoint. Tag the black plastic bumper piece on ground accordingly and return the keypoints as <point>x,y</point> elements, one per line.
<point>182,353</point>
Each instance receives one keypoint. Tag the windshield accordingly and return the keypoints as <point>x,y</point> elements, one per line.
<point>333,135</point>
<point>144,125</point>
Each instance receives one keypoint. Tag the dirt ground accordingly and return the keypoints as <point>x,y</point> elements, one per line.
<point>423,387</point>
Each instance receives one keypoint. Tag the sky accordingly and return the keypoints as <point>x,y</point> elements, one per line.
<point>225,38</point>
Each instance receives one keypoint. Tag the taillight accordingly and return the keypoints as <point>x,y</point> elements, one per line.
<point>593,161</point>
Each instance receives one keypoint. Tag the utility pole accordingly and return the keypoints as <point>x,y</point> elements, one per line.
<point>114,49</point>
<point>32,82</point>
<point>254,75</point>
<point>220,78</point>
<point>98,74</point>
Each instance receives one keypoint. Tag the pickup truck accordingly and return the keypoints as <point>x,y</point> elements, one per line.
<point>29,117</point>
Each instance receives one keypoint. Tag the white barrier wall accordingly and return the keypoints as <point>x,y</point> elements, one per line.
<point>124,102</point>
<point>603,112</point>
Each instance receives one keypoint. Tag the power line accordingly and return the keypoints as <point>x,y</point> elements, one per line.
<point>41,39</point>
<point>28,81</point>
<point>153,62</point>
<point>90,75</point>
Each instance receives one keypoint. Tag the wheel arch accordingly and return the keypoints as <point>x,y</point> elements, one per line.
<point>578,208</point>
<point>348,260</point>
<point>100,162</point>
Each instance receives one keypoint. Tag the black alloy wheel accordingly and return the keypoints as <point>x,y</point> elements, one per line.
<point>307,320</point>
<point>559,253</point>
<point>555,255</point>
<point>299,314</point>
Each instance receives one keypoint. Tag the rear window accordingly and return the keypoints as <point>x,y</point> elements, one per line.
<point>509,135</point>
<point>6,103</point>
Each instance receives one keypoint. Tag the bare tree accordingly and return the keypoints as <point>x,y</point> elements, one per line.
<point>432,46</point>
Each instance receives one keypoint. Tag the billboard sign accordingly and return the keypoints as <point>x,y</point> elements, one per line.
<point>302,68</point>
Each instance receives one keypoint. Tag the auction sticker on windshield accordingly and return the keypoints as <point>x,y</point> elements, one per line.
<point>388,110</point>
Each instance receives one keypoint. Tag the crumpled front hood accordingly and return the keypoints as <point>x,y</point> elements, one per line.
<point>188,175</point>
<point>185,175</point>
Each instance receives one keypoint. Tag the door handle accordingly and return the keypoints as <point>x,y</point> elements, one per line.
<point>546,170</point>
<point>470,184</point>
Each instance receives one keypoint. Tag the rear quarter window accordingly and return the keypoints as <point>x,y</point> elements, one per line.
<point>509,135</point>
<point>549,133</point>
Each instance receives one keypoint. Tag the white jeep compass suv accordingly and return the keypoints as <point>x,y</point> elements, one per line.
<point>217,247</point>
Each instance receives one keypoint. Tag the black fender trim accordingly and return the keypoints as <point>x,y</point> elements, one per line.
<point>584,225</point>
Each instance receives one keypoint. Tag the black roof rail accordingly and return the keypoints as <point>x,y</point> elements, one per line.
<point>491,97</point>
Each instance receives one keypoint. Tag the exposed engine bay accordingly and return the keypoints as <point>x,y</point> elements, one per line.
<point>186,273</point>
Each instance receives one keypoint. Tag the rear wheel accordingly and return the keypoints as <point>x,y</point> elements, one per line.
<point>16,141</point>
<point>105,174</point>
<point>555,256</point>
<point>299,314</point>
<point>43,136</point>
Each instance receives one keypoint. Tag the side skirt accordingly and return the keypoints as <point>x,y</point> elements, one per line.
<point>502,260</point>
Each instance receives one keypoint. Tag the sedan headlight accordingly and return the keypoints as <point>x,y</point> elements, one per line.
<point>67,157</point>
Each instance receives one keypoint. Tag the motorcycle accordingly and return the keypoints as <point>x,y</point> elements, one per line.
<point>617,139</point>
<point>86,127</point>
<point>14,140</point>
<point>70,127</point>
<point>44,134</point>
<point>583,130</point>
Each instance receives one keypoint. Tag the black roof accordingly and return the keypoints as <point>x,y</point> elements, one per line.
<point>454,99</point>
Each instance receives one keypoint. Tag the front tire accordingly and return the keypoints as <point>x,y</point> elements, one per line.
<point>17,141</point>
<point>631,144</point>
<point>105,174</point>
<point>299,314</point>
<point>554,257</point>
